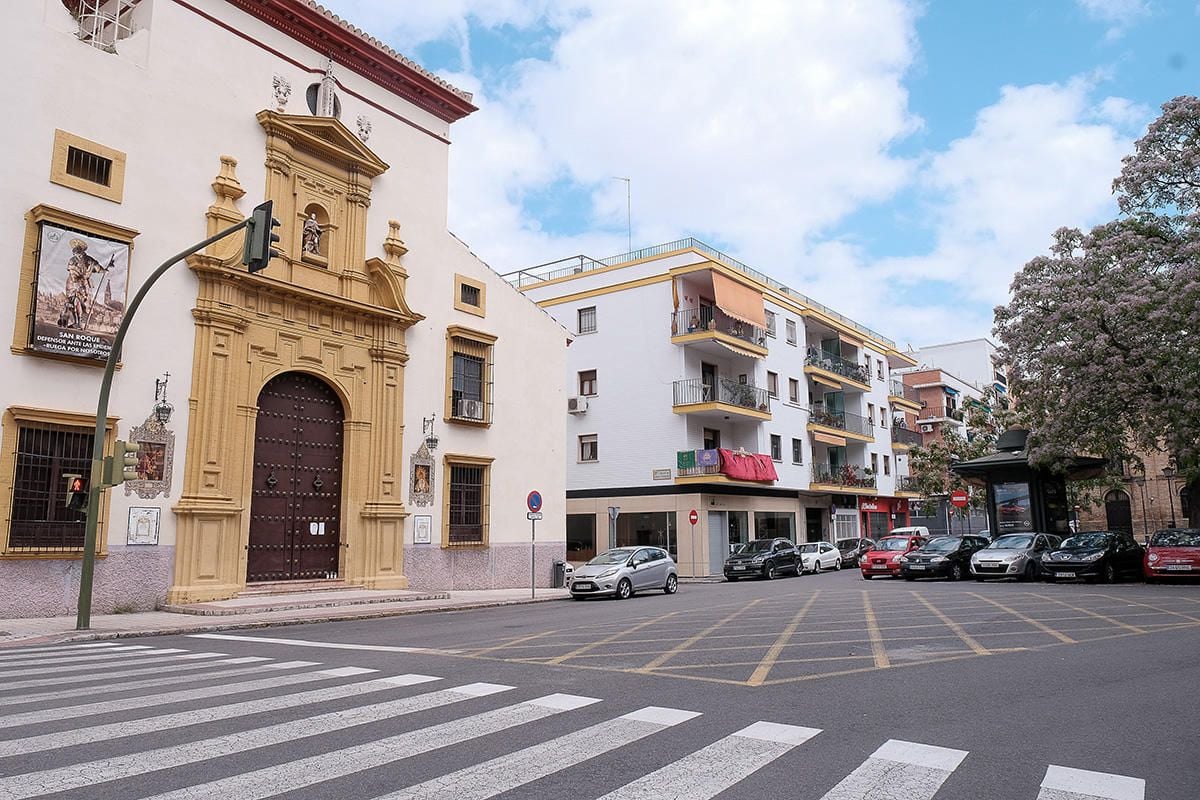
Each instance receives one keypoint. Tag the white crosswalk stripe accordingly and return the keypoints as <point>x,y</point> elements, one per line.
<point>1066,783</point>
<point>109,672</point>
<point>269,781</point>
<point>114,655</point>
<point>145,657</point>
<point>710,771</point>
<point>80,691</point>
<point>88,647</point>
<point>491,778</point>
<point>148,725</point>
<point>899,769</point>
<point>61,779</point>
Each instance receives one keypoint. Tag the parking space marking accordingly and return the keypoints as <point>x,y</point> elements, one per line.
<point>1062,637</point>
<point>877,647</point>
<point>1147,605</point>
<point>608,639</point>
<point>968,640</point>
<point>1103,617</point>
<point>768,661</point>
<point>686,643</point>
<point>512,642</point>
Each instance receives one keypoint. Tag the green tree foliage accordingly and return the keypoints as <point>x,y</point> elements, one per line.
<point>1101,334</point>
<point>929,464</point>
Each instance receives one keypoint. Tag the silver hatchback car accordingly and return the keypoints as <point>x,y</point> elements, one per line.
<point>621,572</point>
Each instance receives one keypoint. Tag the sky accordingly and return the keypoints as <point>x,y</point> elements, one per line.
<point>898,161</point>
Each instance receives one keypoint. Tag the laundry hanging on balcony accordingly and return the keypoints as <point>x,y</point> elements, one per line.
<point>748,466</point>
<point>738,301</point>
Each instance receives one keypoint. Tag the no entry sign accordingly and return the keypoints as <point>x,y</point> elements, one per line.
<point>959,498</point>
<point>693,517</point>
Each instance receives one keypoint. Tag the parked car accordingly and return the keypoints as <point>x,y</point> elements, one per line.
<point>764,558</point>
<point>884,557</point>
<point>941,557</point>
<point>1014,555</point>
<point>910,530</point>
<point>621,572</point>
<point>817,556</point>
<point>852,550</point>
<point>1173,553</point>
<point>1100,555</point>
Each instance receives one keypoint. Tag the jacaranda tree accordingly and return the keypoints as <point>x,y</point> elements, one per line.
<point>1101,334</point>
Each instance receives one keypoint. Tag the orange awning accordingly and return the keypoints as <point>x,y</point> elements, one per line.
<point>850,340</point>
<point>825,382</point>
<point>825,438</point>
<point>738,301</point>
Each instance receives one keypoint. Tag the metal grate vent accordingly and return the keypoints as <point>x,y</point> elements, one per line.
<point>89,166</point>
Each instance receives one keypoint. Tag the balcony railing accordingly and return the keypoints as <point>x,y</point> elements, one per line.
<point>711,318</point>
<point>831,362</point>
<point>842,420</point>
<point>940,412</point>
<point>905,436</point>
<point>899,389</point>
<point>707,469</point>
<point>843,475</point>
<point>906,483</point>
<point>694,390</point>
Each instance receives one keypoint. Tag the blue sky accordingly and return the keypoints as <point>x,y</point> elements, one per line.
<point>898,161</point>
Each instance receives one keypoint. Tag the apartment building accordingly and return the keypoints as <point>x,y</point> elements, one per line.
<point>699,384</point>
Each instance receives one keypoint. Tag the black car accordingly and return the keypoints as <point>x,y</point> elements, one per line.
<point>942,557</point>
<point>1100,555</point>
<point>764,558</point>
<point>852,550</point>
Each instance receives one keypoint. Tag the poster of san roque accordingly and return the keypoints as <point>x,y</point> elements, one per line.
<point>81,288</point>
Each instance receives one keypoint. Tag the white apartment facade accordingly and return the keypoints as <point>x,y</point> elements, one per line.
<point>387,357</point>
<point>698,384</point>
<point>974,361</point>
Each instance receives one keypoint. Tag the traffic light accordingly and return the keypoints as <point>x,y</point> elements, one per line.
<point>122,465</point>
<point>76,495</point>
<point>259,237</point>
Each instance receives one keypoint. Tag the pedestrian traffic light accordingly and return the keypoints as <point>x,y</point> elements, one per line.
<point>260,236</point>
<point>76,495</point>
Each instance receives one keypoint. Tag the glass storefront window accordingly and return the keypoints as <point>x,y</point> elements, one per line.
<point>773,524</point>
<point>654,529</point>
<point>581,537</point>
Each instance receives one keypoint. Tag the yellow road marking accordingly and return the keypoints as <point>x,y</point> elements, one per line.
<point>1109,620</point>
<point>1062,637</point>
<point>768,661</point>
<point>877,648</point>
<point>608,639</point>
<point>686,643</point>
<point>954,626</point>
<point>1147,605</point>
<point>856,670</point>
<point>511,643</point>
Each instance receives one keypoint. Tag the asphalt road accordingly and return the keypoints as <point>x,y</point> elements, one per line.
<point>880,689</point>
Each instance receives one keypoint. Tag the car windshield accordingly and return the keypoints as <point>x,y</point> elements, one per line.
<point>847,544</point>
<point>611,557</point>
<point>1012,543</point>
<point>946,544</point>
<point>757,546</point>
<point>1087,540</point>
<point>810,548</point>
<point>1185,537</point>
<point>892,544</point>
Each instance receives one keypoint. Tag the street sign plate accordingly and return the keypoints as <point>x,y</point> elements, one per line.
<point>534,515</point>
<point>959,498</point>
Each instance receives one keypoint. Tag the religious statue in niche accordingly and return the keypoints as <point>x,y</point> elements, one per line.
<point>311,238</point>
<point>421,474</point>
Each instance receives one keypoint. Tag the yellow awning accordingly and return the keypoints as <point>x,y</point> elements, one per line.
<point>825,381</point>
<point>738,301</point>
<point>850,340</point>
<point>825,438</point>
<point>738,350</point>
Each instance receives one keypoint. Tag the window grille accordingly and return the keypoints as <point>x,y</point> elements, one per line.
<point>40,518</point>
<point>468,505</point>
<point>102,23</point>
<point>89,166</point>
<point>471,381</point>
<point>587,320</point>
<point>468,294</point>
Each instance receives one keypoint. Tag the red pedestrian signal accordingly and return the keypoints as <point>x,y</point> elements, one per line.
<point>76,497</point>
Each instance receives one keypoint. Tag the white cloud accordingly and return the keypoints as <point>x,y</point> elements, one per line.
<point>1119,15</point>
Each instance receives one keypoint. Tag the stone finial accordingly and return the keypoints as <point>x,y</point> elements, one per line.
<point>364,129</point>
<point>393,245</point>
<point>283,90</point>
<point>227,186</point>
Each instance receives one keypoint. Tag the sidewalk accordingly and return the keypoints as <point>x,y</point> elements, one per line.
<point>16,632</point>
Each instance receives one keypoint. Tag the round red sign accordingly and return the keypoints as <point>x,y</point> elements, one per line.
<point>693,517</point>
<point>959,498</point>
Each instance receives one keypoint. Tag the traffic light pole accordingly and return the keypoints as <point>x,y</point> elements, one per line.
<point>83,620</point>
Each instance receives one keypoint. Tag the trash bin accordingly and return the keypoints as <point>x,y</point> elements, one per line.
<point>560,574</point>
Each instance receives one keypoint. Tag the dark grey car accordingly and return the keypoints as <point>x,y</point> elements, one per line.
<point>763,558</point>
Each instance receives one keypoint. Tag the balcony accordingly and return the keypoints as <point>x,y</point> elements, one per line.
<point>906,484</point>
<point>941,414</point>
<point>843,423</point>
<point>833,370</point>
<point>694,396</point>
<point>903,438</point>
<point>905,396</point>
<point>717,332</point>
<point>723,466</point>
<point>843,477</point>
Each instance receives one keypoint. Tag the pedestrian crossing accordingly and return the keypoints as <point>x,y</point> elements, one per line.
<point>212,726</point>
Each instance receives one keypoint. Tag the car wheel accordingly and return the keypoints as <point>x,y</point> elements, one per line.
<point>769,573</point>
<point>837,564</point>
<point>672,585</point>
<point>799,565</point>
<point>624,589</point>
<point>1109,575</point>
<point>816,566</point>
<point>956,572</point>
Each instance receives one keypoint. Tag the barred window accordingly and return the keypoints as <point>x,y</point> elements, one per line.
<point>468,511</point>
<point>469,375</point>
<point>587,320</point>
<point>46,455</point>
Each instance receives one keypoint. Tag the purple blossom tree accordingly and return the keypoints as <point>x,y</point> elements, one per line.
<point>1101,335</point>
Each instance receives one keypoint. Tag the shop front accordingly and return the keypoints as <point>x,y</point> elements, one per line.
<point>882,514</point>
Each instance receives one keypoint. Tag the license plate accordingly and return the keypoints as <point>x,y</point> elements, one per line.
<point>1179,567</point>
<point>739,566</point>
<point>916,566</point>
<point>581,585</point>
<point>1064,574</point>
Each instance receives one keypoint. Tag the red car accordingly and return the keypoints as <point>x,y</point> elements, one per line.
<point>884,557</point>
<point>1173,553</point>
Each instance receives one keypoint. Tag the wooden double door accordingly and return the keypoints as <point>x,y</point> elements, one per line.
<point>295,506</point>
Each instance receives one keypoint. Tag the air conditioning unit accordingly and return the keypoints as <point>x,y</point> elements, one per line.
<point>576,405</point>
<point>926,429</point>
<point>469,409</point>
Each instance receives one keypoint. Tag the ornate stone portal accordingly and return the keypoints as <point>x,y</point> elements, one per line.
<point>336,315</point>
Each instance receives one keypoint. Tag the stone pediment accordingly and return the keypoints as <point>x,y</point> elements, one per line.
<point>324,137</point>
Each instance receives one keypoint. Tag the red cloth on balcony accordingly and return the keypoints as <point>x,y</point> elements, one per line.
<point>748,466</point>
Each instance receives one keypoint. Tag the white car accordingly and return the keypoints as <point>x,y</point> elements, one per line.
<point>819,555</point>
